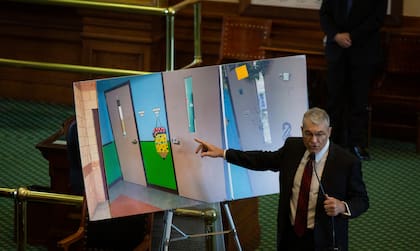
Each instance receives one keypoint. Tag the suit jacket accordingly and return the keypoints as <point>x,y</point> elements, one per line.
<point>341,178</point>
<point>363,22</point>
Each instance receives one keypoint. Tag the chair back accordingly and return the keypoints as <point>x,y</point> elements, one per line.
<point>242,38</point>
<point>73,154</point>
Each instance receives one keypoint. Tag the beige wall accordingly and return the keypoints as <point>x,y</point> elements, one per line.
<point>410,7</point>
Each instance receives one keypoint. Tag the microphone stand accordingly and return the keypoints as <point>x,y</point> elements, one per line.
<point>324,194</point>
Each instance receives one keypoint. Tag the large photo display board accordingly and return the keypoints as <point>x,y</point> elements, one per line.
<point>136,133</point>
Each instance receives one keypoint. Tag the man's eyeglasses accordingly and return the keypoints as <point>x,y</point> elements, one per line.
<point>318,135</point>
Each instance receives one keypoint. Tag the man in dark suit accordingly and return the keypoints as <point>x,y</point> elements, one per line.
<point>341,195</point>
<point>353,52</point>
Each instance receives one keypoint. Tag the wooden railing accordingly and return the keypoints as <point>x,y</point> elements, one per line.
<point>169,12</point>
<point>23,195</point>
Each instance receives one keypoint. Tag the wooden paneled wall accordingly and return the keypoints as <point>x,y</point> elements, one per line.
<point>120,40</point>
<point>128,41</point>
<point>291,35</point>
<point>70,35</point>
<point>290,31</point>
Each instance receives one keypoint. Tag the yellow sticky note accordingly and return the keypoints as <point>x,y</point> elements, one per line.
<point>241,72</point>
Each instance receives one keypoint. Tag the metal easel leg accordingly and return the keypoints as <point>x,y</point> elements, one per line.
<point>232,226</point>
<point>167,225</point>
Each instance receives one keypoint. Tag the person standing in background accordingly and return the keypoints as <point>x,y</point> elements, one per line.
<point>353,52</point>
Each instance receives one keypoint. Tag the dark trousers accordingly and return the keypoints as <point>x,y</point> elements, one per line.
<point>292,242</point>
<point>348,92</point>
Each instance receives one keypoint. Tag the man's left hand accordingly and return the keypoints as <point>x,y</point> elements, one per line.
<point>333,207</point>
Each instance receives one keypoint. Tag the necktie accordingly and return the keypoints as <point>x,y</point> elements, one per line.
<point>303,199</point>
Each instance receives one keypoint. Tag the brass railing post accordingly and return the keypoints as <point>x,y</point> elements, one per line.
<point>21,196</point>
<point>21,219</point>
<point>170,41</point>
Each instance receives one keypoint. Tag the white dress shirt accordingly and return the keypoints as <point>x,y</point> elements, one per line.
<point>320,159</point>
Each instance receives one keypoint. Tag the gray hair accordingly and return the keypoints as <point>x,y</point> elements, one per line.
<point>317,116</point>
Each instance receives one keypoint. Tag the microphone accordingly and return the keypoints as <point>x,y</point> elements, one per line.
<point>312,158</point>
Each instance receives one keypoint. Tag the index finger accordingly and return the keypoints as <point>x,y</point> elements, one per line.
<point>198,140</point>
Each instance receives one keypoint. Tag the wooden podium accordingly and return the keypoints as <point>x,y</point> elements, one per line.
<point>48,223</point>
